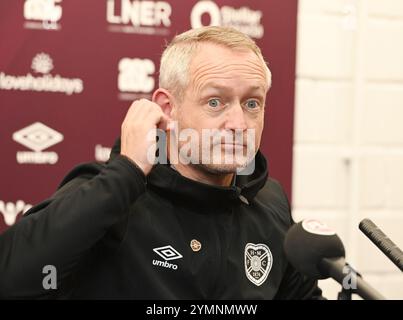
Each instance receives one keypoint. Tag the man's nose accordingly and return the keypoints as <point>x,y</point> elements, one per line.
<point>236,118</point>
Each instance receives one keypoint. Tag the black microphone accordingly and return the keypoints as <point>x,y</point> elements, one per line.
<point>382,241</point>
<point>316,251</point>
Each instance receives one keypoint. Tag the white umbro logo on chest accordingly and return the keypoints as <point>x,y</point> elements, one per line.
<point>167,253</point>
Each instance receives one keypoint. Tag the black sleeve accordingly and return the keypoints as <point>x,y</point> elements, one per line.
<point>60,231</point>
<point>295,286</point>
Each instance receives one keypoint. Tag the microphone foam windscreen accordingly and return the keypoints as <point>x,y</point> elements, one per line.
<point>308,242</point>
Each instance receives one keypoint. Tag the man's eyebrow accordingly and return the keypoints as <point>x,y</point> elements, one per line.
<point>217,86</point>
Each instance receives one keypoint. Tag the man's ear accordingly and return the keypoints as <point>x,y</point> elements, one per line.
<point>164,99</point>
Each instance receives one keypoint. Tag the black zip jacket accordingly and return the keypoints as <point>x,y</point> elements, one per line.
<point>111,233</point>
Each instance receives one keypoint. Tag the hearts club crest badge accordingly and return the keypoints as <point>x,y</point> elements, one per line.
<point>258,262</point>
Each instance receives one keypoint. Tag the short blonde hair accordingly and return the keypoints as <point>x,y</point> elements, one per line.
<point>177,56</point>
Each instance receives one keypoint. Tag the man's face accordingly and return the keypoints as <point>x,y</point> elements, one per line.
<point>226,92</point>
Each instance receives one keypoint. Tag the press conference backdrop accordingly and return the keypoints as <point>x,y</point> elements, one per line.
<point>69,70</point>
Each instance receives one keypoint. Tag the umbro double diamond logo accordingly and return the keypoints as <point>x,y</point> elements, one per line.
<point>168,253</point>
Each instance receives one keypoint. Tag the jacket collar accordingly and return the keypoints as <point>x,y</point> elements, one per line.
<point>168,182</point>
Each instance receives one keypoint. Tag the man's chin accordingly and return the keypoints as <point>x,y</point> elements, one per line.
<point>222,169</point>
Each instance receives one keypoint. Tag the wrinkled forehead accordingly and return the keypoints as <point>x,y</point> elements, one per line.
<point>211,59</point>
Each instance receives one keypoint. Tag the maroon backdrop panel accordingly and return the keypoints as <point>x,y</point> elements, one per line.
<point>70,69</point>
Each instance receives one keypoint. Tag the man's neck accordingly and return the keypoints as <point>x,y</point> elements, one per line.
<point>196,173</point>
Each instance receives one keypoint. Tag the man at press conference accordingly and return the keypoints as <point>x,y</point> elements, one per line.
<point>192,227</point>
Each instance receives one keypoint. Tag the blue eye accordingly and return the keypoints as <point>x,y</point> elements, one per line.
<point>252,104</point>
<point>214,103</point>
